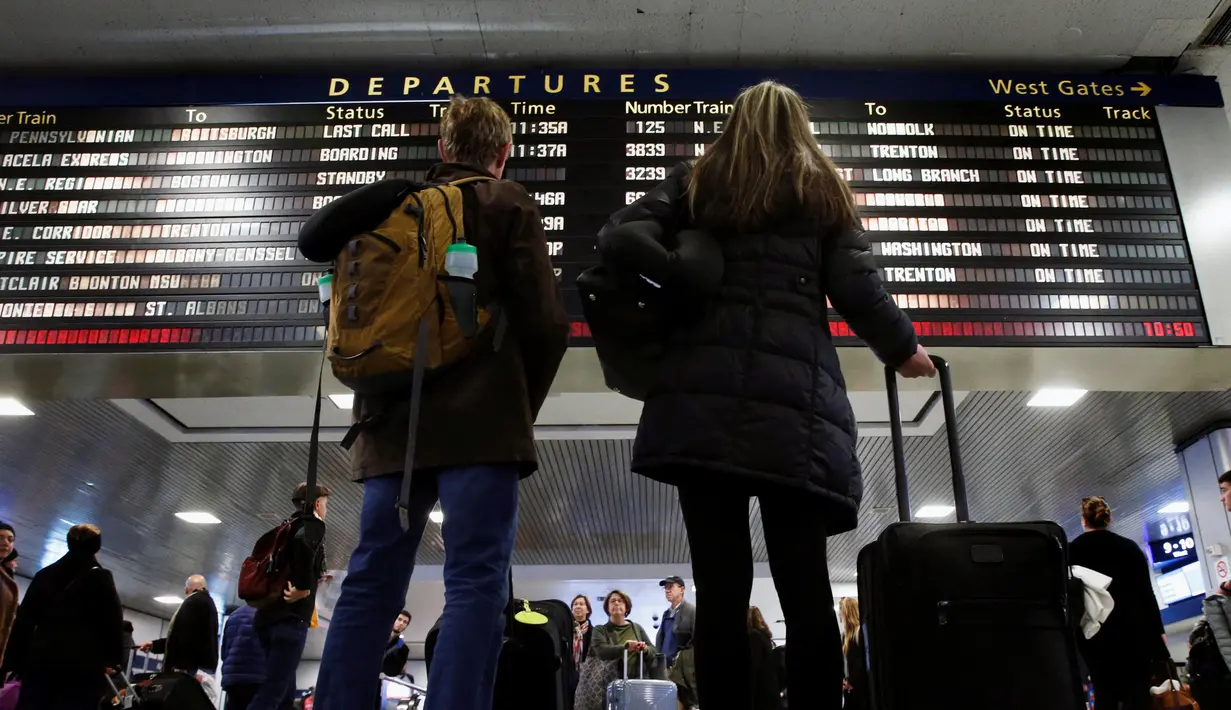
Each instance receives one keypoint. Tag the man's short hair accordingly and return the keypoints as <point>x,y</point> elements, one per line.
<point>301,493</point>
<point>1225,478</point>
<point>405,614</point>
<point>85,538</point>
<point>474,130</point>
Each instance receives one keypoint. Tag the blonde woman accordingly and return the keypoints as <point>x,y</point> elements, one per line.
<point>750,399</point>
<point>856,683</point>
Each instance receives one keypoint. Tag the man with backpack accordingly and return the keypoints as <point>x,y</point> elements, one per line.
<point>282,624</point>
<point>474,439</point>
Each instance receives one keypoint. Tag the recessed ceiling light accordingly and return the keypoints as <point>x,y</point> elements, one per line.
<point>934,511</point>
<point>343,401</point>
<point>168,599</point>
<point>198,517</point>
<point>1049,397</point>
<point>10,407</point>
<point>1180,506</point>
<point>436,516</point>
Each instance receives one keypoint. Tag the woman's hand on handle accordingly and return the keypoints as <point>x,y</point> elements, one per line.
<point>919,365</point>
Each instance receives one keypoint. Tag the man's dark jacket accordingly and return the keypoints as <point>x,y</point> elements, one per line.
<point>682,627</point>
<point>481,410</point>
<point>752,394</point>
<point>396,655</point>
<point>70,623</point>
<point>192,641</point>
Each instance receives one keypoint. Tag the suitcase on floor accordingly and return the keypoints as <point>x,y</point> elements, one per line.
<point>535,659</point>
<point>640,694</point>
<point>965,615</point>
<point>172,691</point>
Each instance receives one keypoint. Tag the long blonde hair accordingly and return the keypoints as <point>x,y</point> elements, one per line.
<point>767,165</point>
<point>849,607</point>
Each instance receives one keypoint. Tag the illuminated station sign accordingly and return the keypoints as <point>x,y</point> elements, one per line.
<point>1002,210</point>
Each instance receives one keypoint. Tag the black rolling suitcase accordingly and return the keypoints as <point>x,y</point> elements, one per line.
<point>966,615</point>
<point>172,691</point>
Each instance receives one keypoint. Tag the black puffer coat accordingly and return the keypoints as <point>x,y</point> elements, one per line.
<point>753,391</point>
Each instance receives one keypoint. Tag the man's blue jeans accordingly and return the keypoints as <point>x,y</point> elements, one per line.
<point>479,504</point>
<point>283,643</point>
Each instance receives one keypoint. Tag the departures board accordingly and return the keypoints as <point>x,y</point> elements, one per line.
<point>1012,220</point>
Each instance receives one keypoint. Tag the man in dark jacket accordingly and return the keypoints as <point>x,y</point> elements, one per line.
<point>243,659</point>
<point>396,650</point>
<point>69,630</point>
<point>282,626</point>
<point>396,653</point>
<point>191,644</point>
<point>475,438</point>
<point>675,632</point>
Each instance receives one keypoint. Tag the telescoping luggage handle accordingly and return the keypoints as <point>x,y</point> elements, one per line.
<point>640,665</point>
<point>120,697</point>
<point>901,484</point>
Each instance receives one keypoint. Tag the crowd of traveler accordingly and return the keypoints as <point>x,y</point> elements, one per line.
<point>749,401</point>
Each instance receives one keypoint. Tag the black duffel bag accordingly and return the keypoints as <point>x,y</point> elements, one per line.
<point>646,285</point>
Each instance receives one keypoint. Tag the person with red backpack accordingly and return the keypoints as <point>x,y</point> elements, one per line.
<point>282,624</point>
<point>474,441</point>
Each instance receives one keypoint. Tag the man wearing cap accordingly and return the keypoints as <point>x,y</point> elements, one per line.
<point>675,632</point>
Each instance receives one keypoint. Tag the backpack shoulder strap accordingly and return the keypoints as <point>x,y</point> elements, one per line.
<point>472,179</point>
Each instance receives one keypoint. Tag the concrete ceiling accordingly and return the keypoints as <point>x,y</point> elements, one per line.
<point>88,460</point>
<point>162,35</point>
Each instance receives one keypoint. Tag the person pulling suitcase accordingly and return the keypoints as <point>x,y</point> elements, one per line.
<point>748,399</point>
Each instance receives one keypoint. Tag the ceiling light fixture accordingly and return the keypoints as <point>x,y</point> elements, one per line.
<point>168,599</point>
<point>934,511</point>
<point>436,517</point>
<point>198,518</point>
<point>1180,506</point>
<point>10,407</point>
<point>343,401</point>
<point>1052,397</point>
